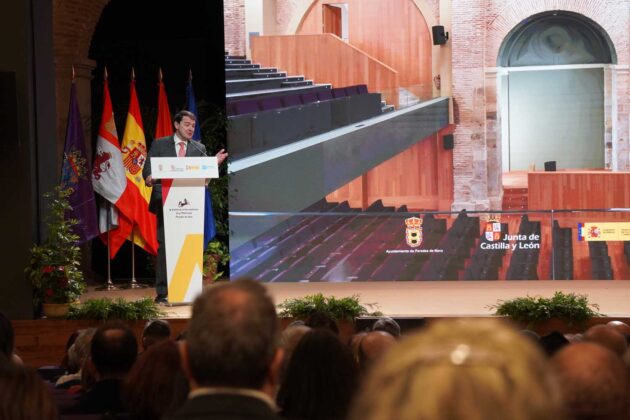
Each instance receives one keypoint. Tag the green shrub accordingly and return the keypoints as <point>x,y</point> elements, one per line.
<point>569,307</point>
<point>107,309</point>
<point>337,308</point>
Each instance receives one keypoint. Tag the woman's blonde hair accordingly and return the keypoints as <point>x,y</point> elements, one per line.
<point>461,369</point>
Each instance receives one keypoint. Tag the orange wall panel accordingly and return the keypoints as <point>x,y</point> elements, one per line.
<point>325,58</point>
<point>420,178</point>
<point>394,32</point>
<point>578,190</point>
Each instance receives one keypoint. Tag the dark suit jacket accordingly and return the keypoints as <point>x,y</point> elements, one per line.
<point>225,407</point>
<point>165,147</point>
<point>104,397</point>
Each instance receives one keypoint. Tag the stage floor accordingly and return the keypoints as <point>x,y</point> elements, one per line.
<point>425,298</point>
<point>170,311</point>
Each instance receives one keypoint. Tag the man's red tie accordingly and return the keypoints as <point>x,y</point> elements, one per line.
<point>182,150</point>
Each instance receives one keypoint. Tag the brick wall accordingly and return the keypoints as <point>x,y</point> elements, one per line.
<point>479,27</point>
<point>74,22</point>
<point>234,26</point>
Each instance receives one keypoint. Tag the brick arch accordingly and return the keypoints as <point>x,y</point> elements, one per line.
<point>74,22</point>
<point>501,21</point>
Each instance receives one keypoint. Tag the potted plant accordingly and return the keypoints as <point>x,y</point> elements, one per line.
<point>54,266</point>
<point>343,310</point>
<point>105,309</point>
<point>562,311</point>
<point>347,308</point>
<point>215,257</point>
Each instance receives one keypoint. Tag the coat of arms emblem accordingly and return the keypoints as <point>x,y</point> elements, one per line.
<point>413,231</point>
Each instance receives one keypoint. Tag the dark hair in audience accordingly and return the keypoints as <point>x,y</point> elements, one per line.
<point>320,380</point>
<point>155,331</point>
<point>7,336</point>
<point>114,349</point>
<point>183,113</point>
<point>24,396</point>
<point>319,320</point>
<point>156,385</point>
<point>232,335</point>
<point>551,343</point>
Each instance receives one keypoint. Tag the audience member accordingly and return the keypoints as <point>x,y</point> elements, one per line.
<point>354,342</point>
<point>318,319</point>
<point>553,342</point>
<point>156,385</point>
<point>289,338</point>
<point>113,352</point>
<point>231,355</point>
<point>608,337</point>
<point>76,357</point>
<point>65,362</point>
<point>7,337</point>
<point>621,327</point>
<point>593,380</point>
<point>320,380</point>
<point>155,331</point>
<point>23,395</point>
<point>373,346</point>
<point>532,335</point>
<point>461,369</point>
<point>388,325</point>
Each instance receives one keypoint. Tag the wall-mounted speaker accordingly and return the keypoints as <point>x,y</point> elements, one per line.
<point>448,142</point>
<point>439,36</point>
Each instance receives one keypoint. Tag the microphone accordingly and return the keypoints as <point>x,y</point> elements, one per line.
<point>198,147</point>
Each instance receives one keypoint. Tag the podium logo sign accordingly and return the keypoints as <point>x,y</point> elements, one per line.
<point>183,203</point>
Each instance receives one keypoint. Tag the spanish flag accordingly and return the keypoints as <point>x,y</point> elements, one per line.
<point>134,155</point>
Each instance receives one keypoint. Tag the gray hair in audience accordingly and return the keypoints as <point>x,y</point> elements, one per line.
<point>461,369</point>
<point>387,324</point>
<point>80,349</point>
<point>233,335</point>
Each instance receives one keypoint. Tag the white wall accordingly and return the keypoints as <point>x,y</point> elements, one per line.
<point>556,115</point>
<point>457,298</point>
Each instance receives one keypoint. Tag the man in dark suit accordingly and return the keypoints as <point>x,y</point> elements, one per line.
<point>113,352</point>
<point>231,355</point>
<point>179,144</point>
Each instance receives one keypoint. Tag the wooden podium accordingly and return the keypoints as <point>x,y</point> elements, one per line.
<point>183,199</point>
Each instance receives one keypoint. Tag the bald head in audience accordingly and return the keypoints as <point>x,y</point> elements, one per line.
<point>373,346</point>
<point>608,337</point>
<point>593,381</point>
<point>621,327</point>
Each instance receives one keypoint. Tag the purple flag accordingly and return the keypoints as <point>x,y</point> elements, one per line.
<point>75,174</point>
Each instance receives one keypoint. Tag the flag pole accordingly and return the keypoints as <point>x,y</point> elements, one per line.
<point>109,285</point>
<point>133,284</point>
